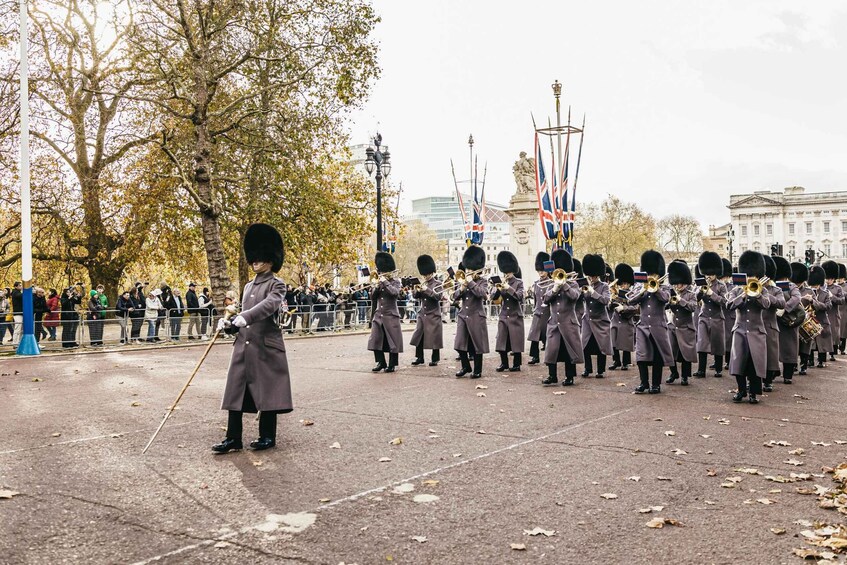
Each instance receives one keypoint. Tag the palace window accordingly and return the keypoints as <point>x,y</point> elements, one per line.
<point>844,225</point>
<point>769,229</point>
<point>756,247</point>
<point>744,230</point>
<point>755,229</point>
<point>808,227</point>
<point>792,251</point>
<point>844,249</point>
<point>791,228</point>
<point>826,227</point>
<point>827,248</point>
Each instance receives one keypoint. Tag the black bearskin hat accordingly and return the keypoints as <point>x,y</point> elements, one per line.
<point>624,273</point>
<point>519,274</point>
<point>263,243</point>
<point>577,266</point>
<point>830,268</point>
<point>752,264</point>
<point>842,272</point>
<point>540,259</point>
<point>426,265</point>
<point>697,272</point>
<point>783,268</point>
<point>653,263</point>
<point>710,264</point>
<point>563,260</point>
<point>770,267</point>
<point>610,274</point>
<point>507,262</point>
<point>679,273</point>
<point>593,265</point>
<point>817,276</point>
<point>384,262</point>
<point>474,258</point>
<point>799,273</point>
<point>727,268</point>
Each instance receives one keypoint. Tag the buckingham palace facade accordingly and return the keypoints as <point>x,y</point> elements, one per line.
<point>796,219</point>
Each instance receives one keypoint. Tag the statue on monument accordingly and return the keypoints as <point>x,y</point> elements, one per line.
<point>524,171</point>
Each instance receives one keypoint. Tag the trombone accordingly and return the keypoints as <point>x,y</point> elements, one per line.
<point>361,286</point>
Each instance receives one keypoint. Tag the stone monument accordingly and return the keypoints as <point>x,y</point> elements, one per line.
<point>526,237</point>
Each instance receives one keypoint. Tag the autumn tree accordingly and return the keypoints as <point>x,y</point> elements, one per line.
<point>416,238</point>
<point>221,67</point>
<point>680,236</point>
<point>619,231</point>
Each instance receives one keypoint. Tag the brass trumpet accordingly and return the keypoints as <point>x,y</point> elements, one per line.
<point>653,283</point>
<point>560,276</point>
<point>754,286</point>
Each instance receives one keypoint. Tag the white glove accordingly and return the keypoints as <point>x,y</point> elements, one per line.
<point>619,308</point>
<point>222,324</point>
<point>709,292</point>
<point>239,321</point>
<point>780,312</point>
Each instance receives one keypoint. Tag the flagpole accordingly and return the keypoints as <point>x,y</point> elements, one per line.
<point>28,345</point>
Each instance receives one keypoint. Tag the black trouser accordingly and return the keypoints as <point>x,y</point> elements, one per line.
<point>821,357</point>
<point>135,330</point>
<point>703,358</point>
<point>563,357</point>
<point>69,333</point>
<point>749,374</point>
<point>686,368</point>
<point>419,353</point>
<point>534,350</point>
<point>842,344</point>
<point>788,370</point>
<point>379,356</point>
<point>601,364</point>
<point>464,357</point>
<point>504,355</point>
<point>267,425</point>
<point>627,358</point>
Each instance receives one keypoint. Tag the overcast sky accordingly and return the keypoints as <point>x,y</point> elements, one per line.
<point>686,102</point>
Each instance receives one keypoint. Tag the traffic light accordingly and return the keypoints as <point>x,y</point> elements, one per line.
<point>810,257</point>
<point>774,249</point>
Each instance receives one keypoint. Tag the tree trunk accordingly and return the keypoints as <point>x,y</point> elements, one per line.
<point>109,275</point>
<point>215,258</point>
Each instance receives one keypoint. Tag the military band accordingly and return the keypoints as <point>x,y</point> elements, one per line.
<point>564,343</point>
<point>623,318</point>
<point>510,325</point>
<point>471,322</point>
<point>429,331</point>
<point>386,334</point>
<point>711,326</point>
<point>683,305</point>
<point>596,325</point>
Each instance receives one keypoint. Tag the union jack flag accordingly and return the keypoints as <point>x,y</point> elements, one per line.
<point>478,222</point>
<point>546,211</point>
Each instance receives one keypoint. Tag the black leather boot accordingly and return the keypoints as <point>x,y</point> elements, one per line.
<point>466,364</point>
<point>516,363</point>
<point>551,375</point>
<point>477,366</point>
<point>228,445</point>
<point>262,443</point>
<point>504,362</point>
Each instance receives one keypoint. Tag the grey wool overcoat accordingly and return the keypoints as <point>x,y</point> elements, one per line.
<point>428,328</point>
<point>471,323</point>
<point>789,338</point>
<point>563,322</point>
<point>385,325</point>
<point>771,326</point>
<point>596,320</point>
<point>510,324</point>
<point>258,376</point>
<point>711,331</point>
<point>541,314</point>
<point>749,337</point>
<point>652,324</point>
<point>684,334</point>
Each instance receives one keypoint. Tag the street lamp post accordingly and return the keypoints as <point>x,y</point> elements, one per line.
<point>730,236</point>
<point>379,160</point>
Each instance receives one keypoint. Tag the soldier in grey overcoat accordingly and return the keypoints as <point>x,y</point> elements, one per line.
<point>821,301</point>
<point>652,340</point>
<point>257,379</point>
<point>749,359</point>
<point>624,316</point>
<point>729,317</point>
<point>564,344</point>
<point>510,325</point>
<point>541,311</point>
<point>806,356</point>
<point>842,282</point>
<point>711,331</point>
<point>830,268</point>
<point>788,275</point>
<point>769,317</point>
<point>386,334</point>
<point>580,303</point>
<point>429,331</point>
<point>471,322</point>
<point>596,327</point>
<point>683,304</point>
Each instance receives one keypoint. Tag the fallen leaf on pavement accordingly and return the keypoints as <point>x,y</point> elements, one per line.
<point>723,422</point>
<point>481,432</point>
<point>307,422</point>
<point>620,384</point>
<point>650,509</point>
<point>135,404</point>
<point>480,387</point>
<point>430,482</point>
<point>663,478</point>
<point>425,498</point>
<point>705,436</point>
<point>765,501</point>
<point>335,445</point>
<point>660,522</point>
<point>257,463</point>
<point>540,532</point>
<point>709,417</point>
<point>481,394</point>
<point>657,419</point>
<point>745,419</point>
<point>798,451</point>
<point>36,379</point>
<point>419,539</point>
<point>679,452</point>
<point>609,496</point>
<point>841,442</point>
<point>711,473</point>
<point>634,478</point>
<point>748,471</point>
<point>793,462</point>
<point>778,531</point>
<point>517,546</point>
<point>670,433</point>
<point>734,479</point>
<point>324,500</point>
<point>560,393</point>
<point>821,443</point>
<point>774,442</point>
<point>55,434</point>
<point>728,485</point>
<point>396,441</point>
<point>384,459</point>
<point>8,493</point>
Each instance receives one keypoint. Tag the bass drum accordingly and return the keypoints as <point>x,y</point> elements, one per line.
<point>810,328</point>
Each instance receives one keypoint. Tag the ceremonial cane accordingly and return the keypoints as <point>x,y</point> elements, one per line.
<point>229,312</point>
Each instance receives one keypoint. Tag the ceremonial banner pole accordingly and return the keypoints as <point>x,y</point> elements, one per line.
<point>28,345</point>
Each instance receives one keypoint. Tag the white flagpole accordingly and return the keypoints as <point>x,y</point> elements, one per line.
<point>28,345</point>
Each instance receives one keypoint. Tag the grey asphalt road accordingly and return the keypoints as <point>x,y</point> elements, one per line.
<point>480,464</point>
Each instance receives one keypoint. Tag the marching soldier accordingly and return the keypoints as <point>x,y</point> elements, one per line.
<point>623,318</point>
<point>683,304</point>
<point>596,326</point>
<point>789,340</point>
<point>652,341</point>
<point>258,378</point>
<point>429,333</point>
<point>729,317</point>
<point>821,301</point>
<point>830,268</point>
<point>471,328</point>
<point>510,325</point>
<point>563,340</point>
<point>386,335</point>
<point>769,316</point>
<point>710,324</point>
<point>580,303</point>
<point>749,358</point>
<point>541,312</point>
<point>801,278</point>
